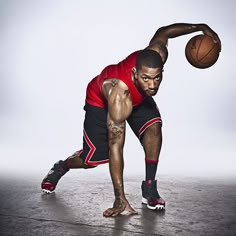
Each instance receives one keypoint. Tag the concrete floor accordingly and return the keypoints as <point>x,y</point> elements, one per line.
<point>194,207</point>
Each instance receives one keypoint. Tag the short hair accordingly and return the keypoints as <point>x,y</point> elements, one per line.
<point>148,58</point>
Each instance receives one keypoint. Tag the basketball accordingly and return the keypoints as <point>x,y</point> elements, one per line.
<point>201,51</point>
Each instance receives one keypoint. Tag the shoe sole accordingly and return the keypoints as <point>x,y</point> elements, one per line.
<point>157,207</point>
<point>47,191</point>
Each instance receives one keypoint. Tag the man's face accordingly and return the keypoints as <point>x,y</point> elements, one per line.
<point>148,80</point>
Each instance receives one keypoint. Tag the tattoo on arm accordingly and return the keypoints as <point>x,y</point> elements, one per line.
<point>117,129</point>
<point>126,92</point>
<point>117,192</point>
<point>114,82</point>
<point>119,202</point>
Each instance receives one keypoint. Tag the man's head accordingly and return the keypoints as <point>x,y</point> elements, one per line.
<point>148,73</point>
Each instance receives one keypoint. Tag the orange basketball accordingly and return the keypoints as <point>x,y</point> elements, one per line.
<point>201,51</point>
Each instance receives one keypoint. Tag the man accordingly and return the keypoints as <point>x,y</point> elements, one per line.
<point>121,93</point>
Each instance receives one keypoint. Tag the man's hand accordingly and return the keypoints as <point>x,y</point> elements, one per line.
<point>208,31</point>
<point>120,206</point>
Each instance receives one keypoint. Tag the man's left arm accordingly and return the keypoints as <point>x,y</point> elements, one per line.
<point>160,39</point>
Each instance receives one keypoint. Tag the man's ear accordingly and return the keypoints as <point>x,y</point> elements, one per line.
<point>134,71</point>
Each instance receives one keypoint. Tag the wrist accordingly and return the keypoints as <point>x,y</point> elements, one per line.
<point>119,192</point>
<point>201,27</point>
<point>120,198</point>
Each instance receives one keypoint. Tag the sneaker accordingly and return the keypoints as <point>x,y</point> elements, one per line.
<point>49,183</point>
<point>150,195</point>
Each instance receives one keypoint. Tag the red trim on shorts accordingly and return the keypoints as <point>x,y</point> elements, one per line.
<point>95,163</point>
<point>147,124</point>
<point>91,152</point>
<point>151,161</point>
<point>80,151</point>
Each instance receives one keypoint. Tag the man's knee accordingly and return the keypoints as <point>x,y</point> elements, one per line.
<point>152,141</point>
<point>154,130</point>
<point>75,161</point>
<point>88,166</point>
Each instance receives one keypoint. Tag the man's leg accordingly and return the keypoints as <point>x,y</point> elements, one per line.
<point>152,141</point>
<point>145,121</point>
<point>95,148</point>
<point>59,169</point>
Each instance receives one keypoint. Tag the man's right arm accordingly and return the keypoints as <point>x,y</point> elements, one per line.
<point>119,108</point>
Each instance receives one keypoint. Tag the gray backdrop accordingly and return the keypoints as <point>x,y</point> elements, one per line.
<point>50,50</point>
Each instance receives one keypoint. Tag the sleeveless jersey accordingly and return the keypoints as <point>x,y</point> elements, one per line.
<point>121,71</point>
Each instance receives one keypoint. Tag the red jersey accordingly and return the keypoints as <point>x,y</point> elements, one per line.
<point>121,71</point>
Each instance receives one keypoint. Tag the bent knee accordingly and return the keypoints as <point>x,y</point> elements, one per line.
<point>154,129</point>
<point>88,166</point>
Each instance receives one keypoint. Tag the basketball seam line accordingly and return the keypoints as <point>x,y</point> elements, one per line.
<point>199,48</point>
<point>206,55</point>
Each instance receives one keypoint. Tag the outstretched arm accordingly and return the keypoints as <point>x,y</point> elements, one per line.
<point>119,108</point>
<point>160,38</point>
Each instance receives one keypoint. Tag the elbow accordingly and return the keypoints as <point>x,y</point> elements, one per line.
<point>163,31</point>
<point>160,36</point>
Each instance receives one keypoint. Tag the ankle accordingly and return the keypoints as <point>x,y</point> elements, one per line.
<point>66,165</point>
<point>151,169</point>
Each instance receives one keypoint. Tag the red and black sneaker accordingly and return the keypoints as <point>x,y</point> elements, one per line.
<point>50,181</point>
<point>150,195</point>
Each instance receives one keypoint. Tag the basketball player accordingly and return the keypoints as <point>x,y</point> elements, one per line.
<point>123,92</point>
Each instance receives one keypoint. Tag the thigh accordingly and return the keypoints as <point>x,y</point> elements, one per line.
<point>95,141</point>
<point>143,116</point>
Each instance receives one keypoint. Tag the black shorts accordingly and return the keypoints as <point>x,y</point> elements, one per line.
<point>95,139</point>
